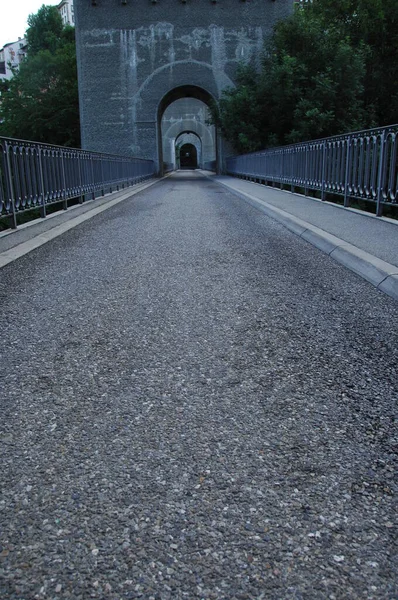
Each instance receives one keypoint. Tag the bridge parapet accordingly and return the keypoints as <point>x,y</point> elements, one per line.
<point>35,175</point>
<point>360,165</point>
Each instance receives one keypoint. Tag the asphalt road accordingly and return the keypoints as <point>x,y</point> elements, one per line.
<point>195,403</point>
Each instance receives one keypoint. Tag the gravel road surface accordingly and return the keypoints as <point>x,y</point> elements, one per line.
<point>195,403</point>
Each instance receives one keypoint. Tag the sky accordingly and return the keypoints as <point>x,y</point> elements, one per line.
<point>13,17</point>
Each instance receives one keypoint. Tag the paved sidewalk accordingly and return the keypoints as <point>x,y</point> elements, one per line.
<point>15,243</point>
<point>366,244</point>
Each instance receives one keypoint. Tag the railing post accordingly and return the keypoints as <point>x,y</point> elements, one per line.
<point>306,172</point>
<point>43,211</point>
<point>81,196</point>
<point>102,177</point>
<point>65,202</point>
<point>291,172</point>
<point>323,171</point>
<point>347,173</point>
<point>13,216</point>
<point>92,175</point>
<point>379,207</point>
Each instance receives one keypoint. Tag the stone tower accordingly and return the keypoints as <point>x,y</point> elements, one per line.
<point>136,57</point>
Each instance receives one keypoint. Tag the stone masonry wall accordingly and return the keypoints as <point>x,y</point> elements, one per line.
<point>131,55</point>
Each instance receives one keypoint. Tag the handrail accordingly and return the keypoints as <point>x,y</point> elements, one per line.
<point>36,175</point>
<point>358,165</point>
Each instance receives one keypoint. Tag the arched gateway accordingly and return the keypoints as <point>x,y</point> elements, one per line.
<point>136,57</point>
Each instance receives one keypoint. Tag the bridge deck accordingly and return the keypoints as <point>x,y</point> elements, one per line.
<point>195,404</point>
<point>375,235</point>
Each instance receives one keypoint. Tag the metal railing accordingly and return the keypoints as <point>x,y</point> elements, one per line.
<point>210,165</point>
<point>358,166</point>
<point>35,175</point>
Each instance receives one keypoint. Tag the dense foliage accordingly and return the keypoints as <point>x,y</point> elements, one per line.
<point>41,101</point>
<point>44,30</point>
<point>329,68</point>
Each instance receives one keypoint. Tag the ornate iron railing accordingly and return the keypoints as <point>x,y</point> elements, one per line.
<point>358,166</point>
<point>34,175</point>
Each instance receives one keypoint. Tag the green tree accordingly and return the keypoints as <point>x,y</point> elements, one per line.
<point>373,25</point>
<point>41,102</point>
<point>45,30</point>
<point>314,79</point>
<point>240,111</point>
<point>329,68</point>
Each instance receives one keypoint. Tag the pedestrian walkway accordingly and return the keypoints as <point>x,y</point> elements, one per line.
<point>366,244</point>
<point>15,243</point>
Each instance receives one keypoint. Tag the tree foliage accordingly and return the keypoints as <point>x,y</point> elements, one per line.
<point>372,25</point>
<point>41,101</point>
<point>45,30</point>
<point>329,68</point>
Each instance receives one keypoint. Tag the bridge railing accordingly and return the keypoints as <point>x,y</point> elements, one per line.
<point>361,165</point>
<point>210,165</point>
<point>35,175</point>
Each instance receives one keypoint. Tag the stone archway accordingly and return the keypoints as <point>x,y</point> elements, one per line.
<point>184,122</point>
<point>135,57</point>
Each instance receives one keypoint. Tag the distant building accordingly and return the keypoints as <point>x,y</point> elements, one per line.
<point>11,56</point>
<point>66,10</point>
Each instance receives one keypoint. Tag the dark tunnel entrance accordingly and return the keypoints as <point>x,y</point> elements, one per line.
<point>188,157</point>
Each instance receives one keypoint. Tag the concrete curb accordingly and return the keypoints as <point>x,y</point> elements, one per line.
<point>70,221</point>
<point>383,275</point>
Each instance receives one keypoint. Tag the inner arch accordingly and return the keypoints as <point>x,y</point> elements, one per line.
<point>194,158</point>
<point>184,110</point>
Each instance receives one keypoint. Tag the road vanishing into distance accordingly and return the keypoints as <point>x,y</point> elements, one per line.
<point>195,403</point>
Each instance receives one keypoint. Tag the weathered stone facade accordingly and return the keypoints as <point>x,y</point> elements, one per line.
<point>137,56</point>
